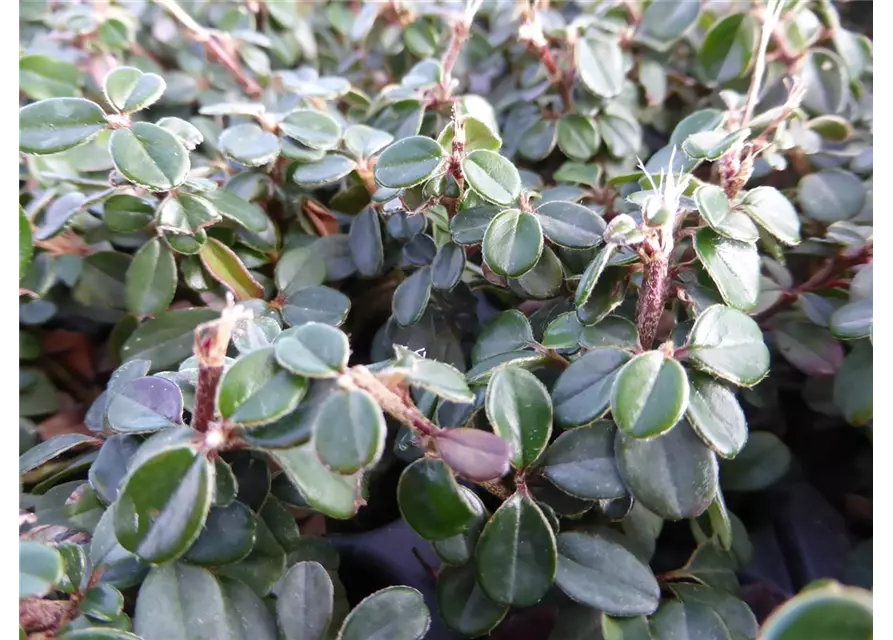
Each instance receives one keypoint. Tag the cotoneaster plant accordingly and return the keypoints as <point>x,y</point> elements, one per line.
<point>536,258</point>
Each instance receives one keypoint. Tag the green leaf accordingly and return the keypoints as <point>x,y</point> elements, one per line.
<point>312,128</point>
<point>582,392</point>
<point>712,145</point>
<point>713,205</point>
<point>144,405</point>
<point>110,466</point>
<point>620,131</point>
<point>330,169</point>
<point>151,279</point>
<point>831,195</point>
<point>330,493</point>
<point>728,48</point>
<point>735,614</point>
<point>833,611</point>
<point>578,138</point>
<point>649,395</point>
<point>469,225</point>
<point>581,463</point>
<point>571,225</point>
<point>440,378</point>
<point>625,628</point>
<point>492,176</point>
<point>774,212</point>
<point>45,451</point>
<point>516,557</point>
<point>715,415</point>
<point>189,134</point>
<point>228,536</point>
<point>125,213</point>
<point>57,124</point>
<point>733,265</point>
<point>26,249</point>
<point>564,332</point>
<point>316,304</point>
<point>591,275</point>
<point>102,281</point>
<point>544,281</point>
<point>255,390</point>
<point>459,549</point>
<point>826,81</point>
<point>42,77</point>
<point>612,331</point>
<point>478,135</point>
<point>350,431</point>
<point>513,243</point>
<point>673,475</point>
<point>40,569</point>
<point>365,242</point>
<point>232,207</point>
<point>599,62</point>
<point>249,144</point>
<point>251,334</point>
<point>167,339</point>
<point>393,613</point>
<point>187,214</point>
<point>305,602</point>
<point>520,412</point>
<point>600,573</point>
<point>508,331</point>
<point>666,21</point>
<point>808,347</point>
<point>473,453</point>
<point>431,501</point>
<point>853,320</point>
<point>128,89</point>
<point>150,156</point>
<point>224,265</point>
<point>411,297</point>
<point>688,620</point>
<point>364,141</point>
<point>729,345</point>
<point>539,140</point>
<point>299,268</point>
<point>163,504</point>
<point>463,605</point>
<point>853,388</point>
<point>761,463</point>
<point>448,266</point>
<point>701,120</point>
<point>408,162</point>
<point>314,350</point>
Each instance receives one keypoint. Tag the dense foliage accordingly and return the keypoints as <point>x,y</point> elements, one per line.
<point>518,270</point>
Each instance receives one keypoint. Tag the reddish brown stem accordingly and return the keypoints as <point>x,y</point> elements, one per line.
<point>206,397</point>
<point>652,299</point>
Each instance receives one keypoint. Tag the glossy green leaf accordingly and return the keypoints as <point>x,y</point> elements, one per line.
<point>469,225</point>
<point>411,297</point>
<point>232,207</point>
<point>544,281</point>
<point>612,331</point>
<point>331,168</point>
<point>328,492</point>
<point>826,81</point>
<point>564,332</point>
<point>599,61</point>
<point>42,453</point>
<point>459,549</point>
<point>463,605</point>
<point>810,348</point>
<point>144,405</point>
<point>492,176</point>
<point>40,569</point>
<point>832,611</point>
<point>42,77</point>
<point>688,620</point>
<point>715,415</point>
<point>313,350</point>
<point>440,378</point>
<point>393,613</point>
<point>305,602</point>
<point>26,249</point>
<point>571,225</point>
<point>539,140</point>
<point>151,279</point>
<point>431,501</point>
<point>228,536</point>
<point>364,141</point>
<point>256,390</point>
<point>513,243</point>
<point>312,128</point>
<point>189,134</point>
<point>591,275</point>
<point>578,137</point>
<point>733,265</point>
<point>350,431</point>
<point>673,475</point>
<point>774,212</point>
<point>831,195</point>
<point>734,613</point>
<point>447,267</point>
<point>251,334</point>
<point>713,205</point>
<point>728,48</point>
<point>853,320</point>
<point>187,214</point>
<point>649,395</point>
<point>166,340</point>
<point>666,21</point>
<point>150,156</point>
<point>729,344</point>
<point>316,304</point>
<point>582,392</point>
<point>225,266</point>
<point>760,464</point>
<point>163,504</point>
<point>581,463</point>
<point>57,124</point>
<point>249,144</point>
<point>516,558</point>
<point>299,268</point>
<point>475,454</point>
<point>508,331</point>
<point>408,162</point>
<point>853,388</point>
<point>520,410</point>
<point>128,89</point>
<point>110,467</point>
<point>602,574</point>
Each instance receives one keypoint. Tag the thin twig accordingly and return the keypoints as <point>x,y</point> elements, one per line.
<point>756,80</point>
<point>201,34</point>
